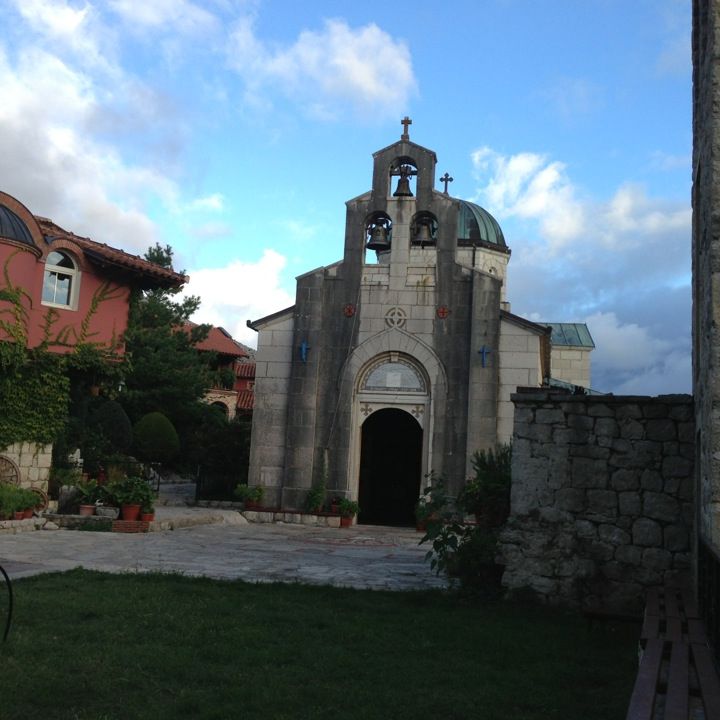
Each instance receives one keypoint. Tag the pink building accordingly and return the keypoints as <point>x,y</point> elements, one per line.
<point>72,289</point>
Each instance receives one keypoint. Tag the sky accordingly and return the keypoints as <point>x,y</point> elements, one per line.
<point>235,131</point>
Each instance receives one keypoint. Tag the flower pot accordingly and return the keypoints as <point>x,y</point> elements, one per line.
<point>86,510</point>
<point>130,512</point>
<point>345,522</point>
<point>18,515</point>
<point>147,516</point>
<point>251,505</point>
<point>27,513</point>
<point>334,508</point>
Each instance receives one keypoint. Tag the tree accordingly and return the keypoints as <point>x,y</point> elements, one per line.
<point>165,372</point>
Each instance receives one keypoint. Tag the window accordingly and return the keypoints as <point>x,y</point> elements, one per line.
<point>60,281</point>
<point>395,376</point>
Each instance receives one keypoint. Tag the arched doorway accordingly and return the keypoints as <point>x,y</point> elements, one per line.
<point>390,468</point>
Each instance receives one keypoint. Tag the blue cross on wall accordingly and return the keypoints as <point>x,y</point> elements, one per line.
<point>484,352</point>
<point>304,347</point>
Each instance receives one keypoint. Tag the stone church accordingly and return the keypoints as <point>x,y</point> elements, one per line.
<point>399,359</point>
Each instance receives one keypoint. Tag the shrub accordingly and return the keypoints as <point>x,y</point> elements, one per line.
<point>155,438</point>
<point>249,493</point>
<point>112,422</point>
<point>465,553</point>
<point>487,495</point>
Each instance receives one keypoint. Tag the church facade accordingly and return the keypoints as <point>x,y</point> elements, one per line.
<point>385,371</point>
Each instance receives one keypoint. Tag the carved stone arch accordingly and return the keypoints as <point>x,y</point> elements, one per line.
<point>396,340</point>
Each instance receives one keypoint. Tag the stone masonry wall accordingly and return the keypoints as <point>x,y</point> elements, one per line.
<point>33,461</point>
<point>602,493</point>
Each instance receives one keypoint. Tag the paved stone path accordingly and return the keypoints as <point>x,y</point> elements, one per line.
<point>361,557</point>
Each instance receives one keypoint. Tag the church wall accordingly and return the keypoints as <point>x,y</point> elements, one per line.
<point>272,375</point>
<point>571,364</point>
<point>602,497</point>
<point>519,367</point>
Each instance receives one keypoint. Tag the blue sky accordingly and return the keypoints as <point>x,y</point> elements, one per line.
<point>235,131</point>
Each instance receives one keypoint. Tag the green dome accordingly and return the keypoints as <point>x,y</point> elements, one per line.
<point>13,228</point>
<point>477,226</point>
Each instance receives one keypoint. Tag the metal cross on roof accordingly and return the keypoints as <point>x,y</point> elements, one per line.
<point>446,179</point>
<point>405,122</point>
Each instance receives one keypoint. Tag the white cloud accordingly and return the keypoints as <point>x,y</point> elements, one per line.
<point>178,15</point>
<point>214,202</point>
<point>52,162</point>
<point>239,292</point>
<point>602,261</point>
<point>636,362</point>
<point>530,186</point>
<point>330,71</point>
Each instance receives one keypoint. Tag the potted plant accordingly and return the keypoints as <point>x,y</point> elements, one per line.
<point>348,510</point>
<point>87,492</point>
<point>315,498</point>
<point>130,493</point>
<point>433,503</point>
<point>27,500</point>
<point>251,496</point>
<point>334,505</point>
<point>105,505</point>
<point>147,511</point>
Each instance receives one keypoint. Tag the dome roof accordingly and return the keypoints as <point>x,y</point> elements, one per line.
<point>476,225</point>
<point>13,228</point>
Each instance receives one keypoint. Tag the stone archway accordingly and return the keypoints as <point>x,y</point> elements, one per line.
<point>390,468</point>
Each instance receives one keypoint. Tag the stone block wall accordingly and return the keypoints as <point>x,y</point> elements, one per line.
<point>33,461</point>
<point>602,497</point>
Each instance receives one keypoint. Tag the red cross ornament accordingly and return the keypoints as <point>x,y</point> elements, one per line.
<point>443,311</point>
<point>349,310</point>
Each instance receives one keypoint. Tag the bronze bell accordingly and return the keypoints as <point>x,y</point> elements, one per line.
<point>378,239</point>
<point>403,187</point>
<point>423,236</point>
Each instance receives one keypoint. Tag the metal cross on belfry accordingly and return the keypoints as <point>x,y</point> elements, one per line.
<point>405,122</point>
<point>446,179</point>
<point>484,352</point>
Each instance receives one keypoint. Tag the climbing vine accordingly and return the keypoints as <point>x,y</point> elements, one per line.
<point>34,382</point>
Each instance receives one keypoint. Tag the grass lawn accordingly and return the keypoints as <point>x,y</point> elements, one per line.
<point>94,646</point>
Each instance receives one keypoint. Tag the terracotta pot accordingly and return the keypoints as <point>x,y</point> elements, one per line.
<point>86,510</point>
<point>27,513</point>
<point>130,512</point>
<point>334,509</point>
<point>18,515</point>
<point>345,522</point>
<point>251,505</point>
<point>147,516</point>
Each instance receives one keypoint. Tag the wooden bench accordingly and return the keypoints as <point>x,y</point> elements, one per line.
<point>677,677</point>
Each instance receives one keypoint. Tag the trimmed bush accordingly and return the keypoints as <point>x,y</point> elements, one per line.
<point>155,438</point>
<point>114,425</point>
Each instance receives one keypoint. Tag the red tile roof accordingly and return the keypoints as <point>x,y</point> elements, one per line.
<point>220,341</point>
<point>245,370</point>
<point>246,400</point>
<point>146,273</point>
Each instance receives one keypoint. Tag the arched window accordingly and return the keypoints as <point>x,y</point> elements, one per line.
<point>393,375</point>
<point>60,283</point>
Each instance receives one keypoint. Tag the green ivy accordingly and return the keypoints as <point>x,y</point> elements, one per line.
<point>34,383</point>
